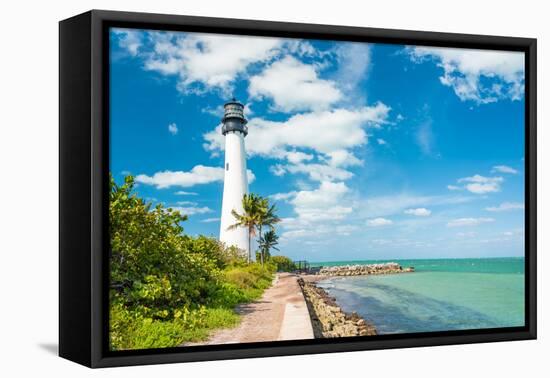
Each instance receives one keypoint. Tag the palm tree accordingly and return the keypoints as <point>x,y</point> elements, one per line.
<point>268,241</point>
<point>250,218</point>
<point>267,218</point>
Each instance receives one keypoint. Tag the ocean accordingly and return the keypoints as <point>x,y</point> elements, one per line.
<point>441,295</point>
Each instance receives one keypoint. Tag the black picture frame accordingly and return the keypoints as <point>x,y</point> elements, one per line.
<point>83,181</point>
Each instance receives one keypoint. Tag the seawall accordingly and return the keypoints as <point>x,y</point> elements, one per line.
<point>328,319</point>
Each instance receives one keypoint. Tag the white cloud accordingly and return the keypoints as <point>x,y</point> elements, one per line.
<point>325,131</point>
<point>294,86</point>
<point>425,137</point>
<point>191,210</point>
<point>184,193</point>
<point>482,76</point>
<point>483,188</point>
<point>283,196</point>
<point>381,241</point>
<point>203,61</point>
<point>316,172</point>
<point>250,176</point>
<point>382,206</point>
<point>278,169</point>
<point>515,235</point>
<point>381,141</point>
<point>322,203</point>
<point>467,222</point>
<point>302,48</point>
<point>200,174</point>
<point>185,203</point>
<point>504,169</point>
<point>299,233</point>
<point>346,229</point>
<point>515,232</point>
<point>454,187</point>
<point>210,220</point>
<point>173,128</point>
<point>481,184</point>
<point>469,234</point>
<point>401,243</point>
<point>331,134</point>
<point>332,168</point>
<point>354,60</point>
<point>318,234</point>
<point>343,158</point>
<point>318,211</point>
<point>379,222</point>
<point>419,212</point>
<point>216,111</point>
<point>506,206</point>
<point>129,39</point>
<point>296,157</point>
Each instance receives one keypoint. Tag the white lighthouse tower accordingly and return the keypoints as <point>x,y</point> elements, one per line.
<point>235,184</point>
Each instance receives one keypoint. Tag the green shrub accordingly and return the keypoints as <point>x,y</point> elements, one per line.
<point>252,280</point>
<point>152,264</point>
<point>283,263</point>
<point>240,278</point>
<point>167,288</point>
<point>228,295</point>
<point>130,330</point>
<point>251,276</point>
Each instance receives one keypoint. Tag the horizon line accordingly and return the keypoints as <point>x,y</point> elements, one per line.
<point>423,258</point>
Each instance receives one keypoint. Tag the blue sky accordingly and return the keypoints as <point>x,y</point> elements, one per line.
<point>370,151</point>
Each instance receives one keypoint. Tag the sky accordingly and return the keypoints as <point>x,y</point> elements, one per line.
<point>369,151</point>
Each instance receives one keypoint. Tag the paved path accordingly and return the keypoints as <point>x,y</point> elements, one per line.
<point>281,314</point>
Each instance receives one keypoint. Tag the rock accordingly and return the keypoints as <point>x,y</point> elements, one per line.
<point>357,270</point>
<point>328,319</point>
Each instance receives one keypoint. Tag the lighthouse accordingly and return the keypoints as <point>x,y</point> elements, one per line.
<point>235,184</point>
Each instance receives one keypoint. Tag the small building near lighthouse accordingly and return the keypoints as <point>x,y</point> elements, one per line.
<point>235,184</point>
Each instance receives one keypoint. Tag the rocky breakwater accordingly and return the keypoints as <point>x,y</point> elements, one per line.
<point>363,270</point>
<point>328,319</point>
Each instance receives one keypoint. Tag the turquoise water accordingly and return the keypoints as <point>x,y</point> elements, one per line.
<point>442,294</point>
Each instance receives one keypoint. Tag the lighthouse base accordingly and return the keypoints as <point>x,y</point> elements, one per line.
<point>236,238</point>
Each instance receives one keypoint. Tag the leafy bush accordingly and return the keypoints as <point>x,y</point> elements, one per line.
<point>131,330</point>
<point>241,285</point>
<point>283,263</point>
<point>154,268</point>
<point>167,288</point>
<point>251,276</point>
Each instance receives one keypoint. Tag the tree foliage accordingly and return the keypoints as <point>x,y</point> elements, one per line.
<point>167,287</point>
<point>249,219</point>
<point>283,263</point>
<point>268,241</point>
<point>268,218</point>
<point>154,266</point>
<point>257,213</point>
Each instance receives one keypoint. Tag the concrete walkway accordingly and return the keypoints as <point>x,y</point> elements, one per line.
<point>281,314</point>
